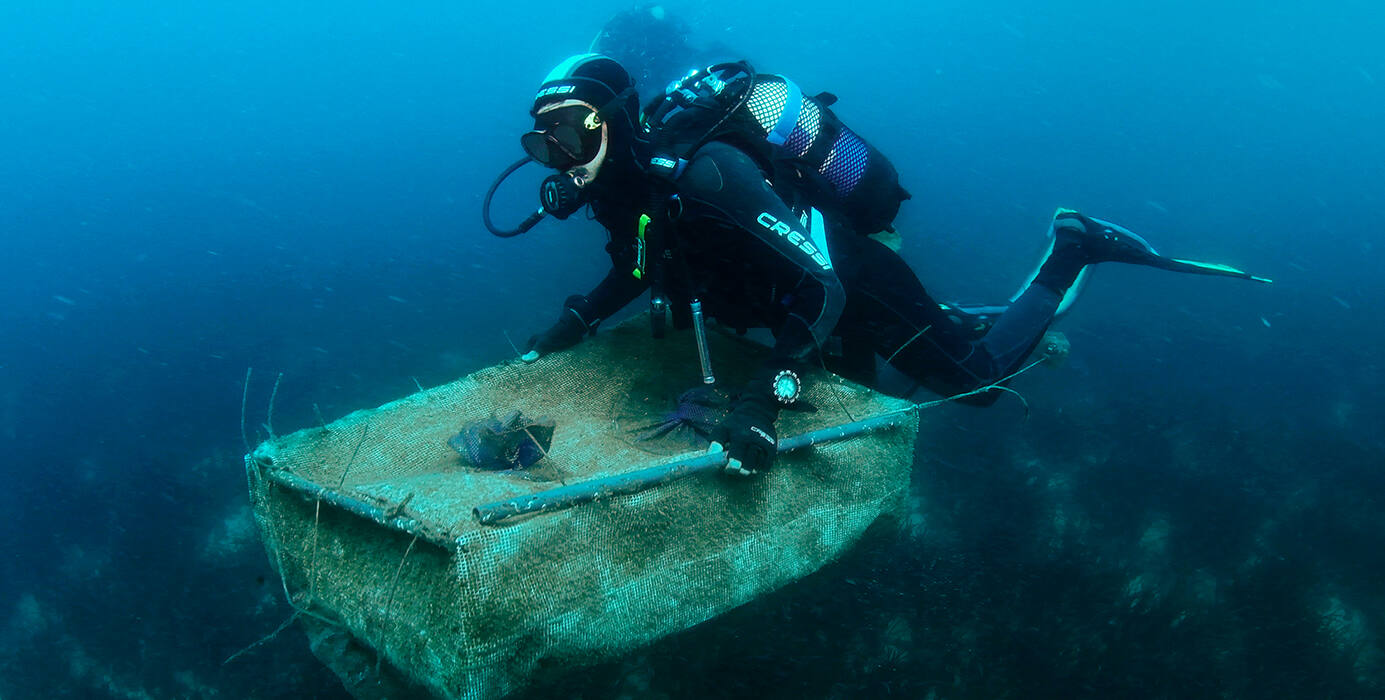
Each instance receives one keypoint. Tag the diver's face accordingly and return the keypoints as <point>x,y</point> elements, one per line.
<point>568,136</point>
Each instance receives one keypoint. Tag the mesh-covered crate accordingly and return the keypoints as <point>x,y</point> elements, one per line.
<point>369,519</point>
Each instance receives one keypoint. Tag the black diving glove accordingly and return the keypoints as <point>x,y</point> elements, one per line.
<point>571,325</point>
<point>748,436</point>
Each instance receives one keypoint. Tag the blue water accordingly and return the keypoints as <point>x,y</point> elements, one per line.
<point>191,189</point>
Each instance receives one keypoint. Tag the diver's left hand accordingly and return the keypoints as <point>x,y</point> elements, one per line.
<point>748,437</point>
<point>570,328</point>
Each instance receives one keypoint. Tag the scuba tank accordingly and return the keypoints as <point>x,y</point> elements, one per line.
<point>805,148</point>
<point>797,138</point>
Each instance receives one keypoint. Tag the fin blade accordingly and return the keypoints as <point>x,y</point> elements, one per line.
<point>1210,268</point>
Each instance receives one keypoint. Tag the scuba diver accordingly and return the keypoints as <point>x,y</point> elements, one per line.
<point>737,196</point>
<point>652,44</point>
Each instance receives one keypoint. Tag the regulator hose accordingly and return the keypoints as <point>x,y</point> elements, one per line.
<point>525,225</point>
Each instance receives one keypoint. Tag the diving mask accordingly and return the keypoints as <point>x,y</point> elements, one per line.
<point>565,135</point>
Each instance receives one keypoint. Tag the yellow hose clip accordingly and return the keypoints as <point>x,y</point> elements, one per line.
<point>640,259</point>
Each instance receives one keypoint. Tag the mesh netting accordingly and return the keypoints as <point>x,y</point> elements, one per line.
<point>805,131</point>
<point>846,163</point>
<point>766,102</point>
<point>472,611</point>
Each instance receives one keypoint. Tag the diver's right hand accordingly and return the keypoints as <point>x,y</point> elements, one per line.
<point>565,333</point>
<point>748,436</point>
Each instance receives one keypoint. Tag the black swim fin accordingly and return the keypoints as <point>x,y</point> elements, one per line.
<point>1109,242</point>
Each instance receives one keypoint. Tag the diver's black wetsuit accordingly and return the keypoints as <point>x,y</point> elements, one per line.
<point>757,262</point>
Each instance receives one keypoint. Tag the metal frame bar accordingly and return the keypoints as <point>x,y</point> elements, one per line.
<point>650,477</point>
<point>568,496</point>
<point>369,511</point>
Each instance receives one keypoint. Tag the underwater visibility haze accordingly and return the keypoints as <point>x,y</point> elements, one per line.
<point>1192,505</point>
